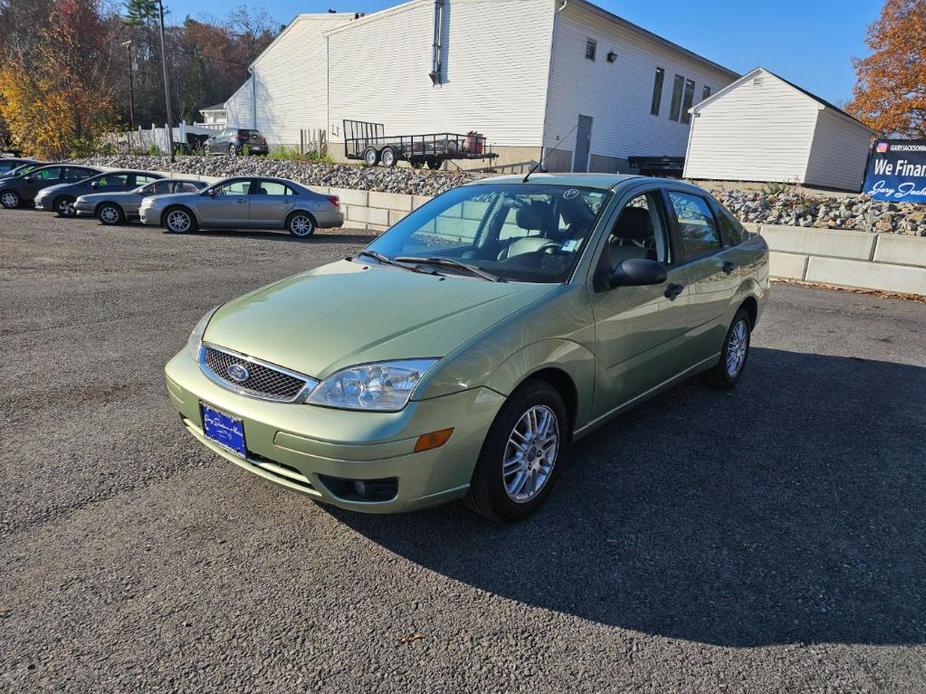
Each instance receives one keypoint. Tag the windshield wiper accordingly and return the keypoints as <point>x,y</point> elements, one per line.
<point>386,260</point>
<point>450,262</point>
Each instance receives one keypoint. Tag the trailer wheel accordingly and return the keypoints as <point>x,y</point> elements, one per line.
<point>370,156</point>
<point>417,163</point>
<point>388,157</point>
<point>434,163</point>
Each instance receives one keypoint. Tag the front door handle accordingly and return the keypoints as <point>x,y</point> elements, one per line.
<point>673,290</point>
<point>728,267</point>
<point>241,201</point>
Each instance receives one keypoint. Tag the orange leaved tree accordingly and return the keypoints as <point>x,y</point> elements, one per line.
<point>890,95</point>
<point>55,91</point>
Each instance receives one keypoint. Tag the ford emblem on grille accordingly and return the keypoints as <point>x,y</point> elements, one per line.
<point>238,373</point>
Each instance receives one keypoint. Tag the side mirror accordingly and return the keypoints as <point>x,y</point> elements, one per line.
<point>637,272</point>
<point>94,184</point>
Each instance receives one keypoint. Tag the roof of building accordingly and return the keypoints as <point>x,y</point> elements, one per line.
<point>215,107</point>
<point>752,73</point>
<point>655,37</point>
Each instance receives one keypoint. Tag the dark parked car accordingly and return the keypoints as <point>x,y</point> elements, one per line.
<point>118,208</point>
<point>19,190</point>
<point>61,198</point>
<point>7,164</point>
<point>234,140</point>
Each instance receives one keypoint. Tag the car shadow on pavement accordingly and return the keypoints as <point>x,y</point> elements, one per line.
<point>789,510</point>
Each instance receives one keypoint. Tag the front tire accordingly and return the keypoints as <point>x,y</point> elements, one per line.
<point>518,463</point>
<point>10,199</point>
<point>179,220</point>
<point>370,156</point>
<point>232,151</point>
<point>733,354</point>
<point>300,225</point>
<point>110,214</point>
<point>388,157</point>
<point>64,206</point>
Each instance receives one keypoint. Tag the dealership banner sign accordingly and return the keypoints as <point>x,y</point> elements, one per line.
<point>897,171</point>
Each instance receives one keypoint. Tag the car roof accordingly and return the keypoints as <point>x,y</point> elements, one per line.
<point>259,178</point>
<point>587,180</point>
<point>132,171</point>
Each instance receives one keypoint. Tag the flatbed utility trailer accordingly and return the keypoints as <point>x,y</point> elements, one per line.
<point>368,142</point>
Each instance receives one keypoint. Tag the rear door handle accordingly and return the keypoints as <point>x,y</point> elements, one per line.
<point>673,290</point>
<point>728,267</point>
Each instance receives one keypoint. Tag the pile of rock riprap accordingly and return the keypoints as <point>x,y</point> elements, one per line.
<point>761,207</point>
<point>398,180</point>
<point>858,212</point>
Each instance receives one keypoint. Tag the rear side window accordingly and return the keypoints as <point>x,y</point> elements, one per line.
<point>72,174</point>
<point>696,224</point>
<point>731,231</point>
<point>141,179</point>
<point>269,188</point>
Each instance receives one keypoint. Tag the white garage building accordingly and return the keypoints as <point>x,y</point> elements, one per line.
<point>529,74</point>
<point>763,128</point>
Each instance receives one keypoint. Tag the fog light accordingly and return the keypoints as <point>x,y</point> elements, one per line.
<point>360,487</point>
<point>435,439</point>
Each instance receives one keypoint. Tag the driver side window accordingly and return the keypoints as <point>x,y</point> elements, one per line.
<point>639,232</point>
<point>234,188</point>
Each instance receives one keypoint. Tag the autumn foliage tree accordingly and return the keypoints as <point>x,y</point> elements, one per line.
<point>890,94</point>
<point>54,93</point>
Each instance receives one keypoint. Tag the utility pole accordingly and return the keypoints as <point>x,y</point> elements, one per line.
<point>128,45</point>
<point>170,120</point>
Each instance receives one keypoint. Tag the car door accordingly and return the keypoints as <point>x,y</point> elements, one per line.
<point>638,329</point>
<point>711,270</point>
<point>218,142</point>
<point>39,179</point>
<point>226,205</point>
<point>270,203</point>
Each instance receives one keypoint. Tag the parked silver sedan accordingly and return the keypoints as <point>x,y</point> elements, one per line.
<point>245,203</point>
<point>121,207</point>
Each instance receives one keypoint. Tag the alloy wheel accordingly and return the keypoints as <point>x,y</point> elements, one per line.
<point>737,348</point>
<point>65,208</point>
<point>530,454</point>
<point>178,221</point>
<point>301,226</point>
<point>109,215</point>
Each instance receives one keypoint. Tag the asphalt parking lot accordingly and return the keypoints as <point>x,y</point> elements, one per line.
<point>770,538</point>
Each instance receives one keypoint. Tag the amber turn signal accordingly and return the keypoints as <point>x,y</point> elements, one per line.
<point>435,439</point>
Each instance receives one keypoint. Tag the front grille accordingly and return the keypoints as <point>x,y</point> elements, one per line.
<point>261,380</point>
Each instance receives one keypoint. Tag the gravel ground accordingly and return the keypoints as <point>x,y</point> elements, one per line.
<point>771,538</point>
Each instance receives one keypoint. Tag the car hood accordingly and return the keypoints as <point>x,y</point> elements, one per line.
<point>49,190</point>
<point>171,198</point>
<point>341,315</point>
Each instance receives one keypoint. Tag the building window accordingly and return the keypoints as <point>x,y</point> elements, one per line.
<point>657,91</point>
<point>591,47</point>
<point>705,93</point>
<point>688,102</point>
<point>676,106</point>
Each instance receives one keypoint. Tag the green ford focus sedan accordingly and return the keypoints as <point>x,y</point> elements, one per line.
<point>460,353</point>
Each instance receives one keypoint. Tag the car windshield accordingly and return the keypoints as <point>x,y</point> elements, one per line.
<point>518,232</point>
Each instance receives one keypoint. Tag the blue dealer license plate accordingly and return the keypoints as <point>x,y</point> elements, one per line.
<point>225,430</point>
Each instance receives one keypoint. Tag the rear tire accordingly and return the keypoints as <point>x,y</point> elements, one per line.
<point>64,206</point>
<point>10,199</point>
<point>388,157</point>
<point>179,220</point>
<point>417,163</point>
<point>232,151</point>
<point>110,214</point>
<point>733,354</point>
<point>300,225</point>
<point>434,163</point>
<point>370,156</point>
<point>517,465</point>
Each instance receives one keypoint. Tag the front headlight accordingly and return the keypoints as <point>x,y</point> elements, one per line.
<point>383,387</point>
<point>195,341</point>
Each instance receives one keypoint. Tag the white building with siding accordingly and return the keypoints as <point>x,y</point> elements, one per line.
<point>532,75</point>
<point>763,128</point>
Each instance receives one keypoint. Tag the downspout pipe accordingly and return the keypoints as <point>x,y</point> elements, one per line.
<point>436,67</point>
<point>253,98</point>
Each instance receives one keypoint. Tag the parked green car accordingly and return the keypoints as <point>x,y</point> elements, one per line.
<point>460,353</point>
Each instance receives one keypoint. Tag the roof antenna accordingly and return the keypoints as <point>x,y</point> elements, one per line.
<point>547,154</point>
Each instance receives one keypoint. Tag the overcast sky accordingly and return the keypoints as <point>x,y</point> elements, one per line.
<point>810,42</point>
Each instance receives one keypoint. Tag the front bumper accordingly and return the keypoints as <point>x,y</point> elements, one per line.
<point>42,202</point>
<point>150,215</point>
<point>84,209</point>
<point>299,446</point>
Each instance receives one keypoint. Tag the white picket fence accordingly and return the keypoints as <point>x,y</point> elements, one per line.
<point>142,139</point>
